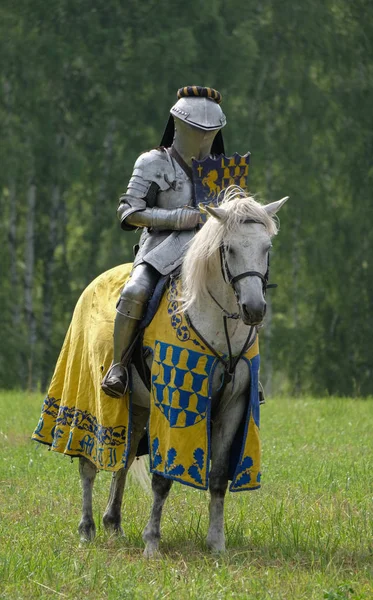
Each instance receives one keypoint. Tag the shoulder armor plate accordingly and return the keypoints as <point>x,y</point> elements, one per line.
<point>155,166</point>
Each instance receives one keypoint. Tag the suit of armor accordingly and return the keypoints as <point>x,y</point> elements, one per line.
<point>157,187</point>
<point>159,199</point>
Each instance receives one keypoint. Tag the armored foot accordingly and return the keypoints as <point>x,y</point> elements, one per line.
<point>115,382</point>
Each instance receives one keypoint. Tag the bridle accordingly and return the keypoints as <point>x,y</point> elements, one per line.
<point>232,280</point>
<point>231,362</point>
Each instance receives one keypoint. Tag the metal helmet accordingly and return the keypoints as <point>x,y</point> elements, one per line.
<point>199,107</point>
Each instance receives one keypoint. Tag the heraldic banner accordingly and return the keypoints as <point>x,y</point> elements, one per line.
<point>212,175</point>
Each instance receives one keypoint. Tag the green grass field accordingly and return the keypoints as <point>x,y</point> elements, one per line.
<point>308,533</point>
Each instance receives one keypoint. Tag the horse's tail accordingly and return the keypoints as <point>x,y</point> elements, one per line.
<point>140,472</point>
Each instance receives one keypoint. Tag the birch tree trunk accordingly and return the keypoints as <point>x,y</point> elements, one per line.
<point>295,259</point>
<point>12,232</point>
<point>49,262</point>
<point>268,367</point>
<point>29,282</point>
<point>12,241</point>
<point>101,198</point>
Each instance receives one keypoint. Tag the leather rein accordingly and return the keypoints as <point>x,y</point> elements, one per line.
<point>231,364</point>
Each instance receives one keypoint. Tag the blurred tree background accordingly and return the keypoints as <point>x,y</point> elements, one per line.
<point>86,86</point>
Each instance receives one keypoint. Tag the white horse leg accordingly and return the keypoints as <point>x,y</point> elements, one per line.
<point>224,429</point>
<point>112,517</point>
<point>87,471</point>
<point>152,532</point>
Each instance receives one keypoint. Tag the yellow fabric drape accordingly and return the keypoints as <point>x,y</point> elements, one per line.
<point>78,419</point>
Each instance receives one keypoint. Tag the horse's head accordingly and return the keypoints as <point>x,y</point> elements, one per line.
<point>240,232</point>
<point>244,255</point>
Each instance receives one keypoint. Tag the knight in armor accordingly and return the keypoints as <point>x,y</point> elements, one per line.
<point>159,198</point>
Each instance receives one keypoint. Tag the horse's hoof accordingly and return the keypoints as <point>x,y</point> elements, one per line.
<point>115,530</point>
<point>112,526</point>
<point>87,531</point>
<point>218,549</point>
<point>215,545</point>
<point>151,550</point>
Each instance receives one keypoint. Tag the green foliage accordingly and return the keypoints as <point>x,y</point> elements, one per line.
<point>87,87</point>
<point>343,592</point>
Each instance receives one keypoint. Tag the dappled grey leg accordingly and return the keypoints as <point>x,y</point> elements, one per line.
<point>112,517</point>
<point>152,532</point>
<point>217,486</point>
<point>87,471</point>
<point>224,430</point>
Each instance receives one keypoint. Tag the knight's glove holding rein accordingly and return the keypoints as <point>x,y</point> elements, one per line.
<point>177,219</point>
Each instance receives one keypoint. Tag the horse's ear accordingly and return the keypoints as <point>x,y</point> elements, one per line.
<point>274,207</point>
<point>218,213</point>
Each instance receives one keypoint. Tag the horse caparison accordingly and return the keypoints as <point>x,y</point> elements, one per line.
<point>244,228</point>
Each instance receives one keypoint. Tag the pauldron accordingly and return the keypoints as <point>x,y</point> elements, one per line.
<point>153,172</point>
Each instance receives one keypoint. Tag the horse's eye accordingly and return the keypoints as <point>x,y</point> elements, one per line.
<point>230,251</point>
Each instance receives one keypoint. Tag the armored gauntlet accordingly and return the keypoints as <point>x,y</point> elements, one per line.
<point>177,219</point>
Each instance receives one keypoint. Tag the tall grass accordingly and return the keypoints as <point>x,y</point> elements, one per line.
<point>307,534</point>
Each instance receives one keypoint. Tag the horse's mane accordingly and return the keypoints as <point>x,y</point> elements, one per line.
<point>238,207</point>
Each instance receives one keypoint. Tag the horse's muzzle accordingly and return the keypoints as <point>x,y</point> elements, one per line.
<point>253,315</point>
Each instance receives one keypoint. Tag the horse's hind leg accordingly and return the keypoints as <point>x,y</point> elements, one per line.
<point>87,471</point>
<point>152,532</point>
<point>112,517</point>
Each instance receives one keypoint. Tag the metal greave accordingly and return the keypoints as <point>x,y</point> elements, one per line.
<point>130,310</point>
<point>125,329</point>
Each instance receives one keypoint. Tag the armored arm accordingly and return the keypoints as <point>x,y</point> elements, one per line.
<point>152,172</point>
<point>160,218</point>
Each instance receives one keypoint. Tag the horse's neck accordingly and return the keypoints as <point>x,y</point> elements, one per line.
<point>207,316</point>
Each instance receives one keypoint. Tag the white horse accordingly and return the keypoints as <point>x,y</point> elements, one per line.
<point>224,273</point>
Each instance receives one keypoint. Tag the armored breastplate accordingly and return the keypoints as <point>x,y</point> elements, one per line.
<point>180,192</point>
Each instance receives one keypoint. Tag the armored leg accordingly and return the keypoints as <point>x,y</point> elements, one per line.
<point>130,310</point>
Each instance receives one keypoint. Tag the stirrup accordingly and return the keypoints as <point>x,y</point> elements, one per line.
<point>115,386</point>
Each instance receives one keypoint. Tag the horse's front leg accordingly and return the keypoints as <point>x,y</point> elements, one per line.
<point>152,532</point>
<point>224,429</point>
<point>87,471</point>
<point>112,517</point>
